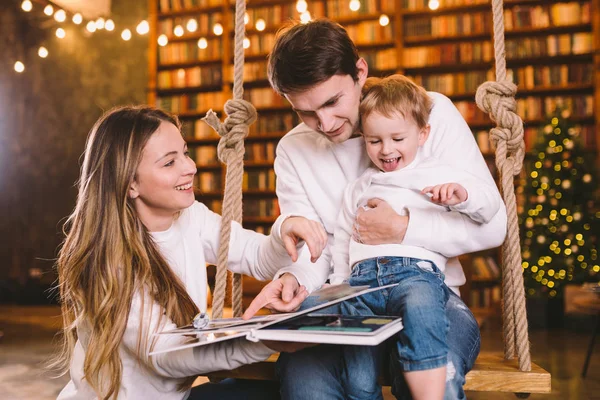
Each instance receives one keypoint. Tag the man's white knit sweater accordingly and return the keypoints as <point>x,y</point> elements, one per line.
<point>312,174</point>
<point>402,190</point>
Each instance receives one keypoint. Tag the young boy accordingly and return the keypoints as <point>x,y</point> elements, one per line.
<point>394,115</point>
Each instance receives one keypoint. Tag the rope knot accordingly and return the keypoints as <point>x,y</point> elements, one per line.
<point>240,114</point>
<point>498,100</point>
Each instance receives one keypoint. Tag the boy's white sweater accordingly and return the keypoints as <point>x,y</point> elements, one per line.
<point>402,190</point>
<point>312,174</point>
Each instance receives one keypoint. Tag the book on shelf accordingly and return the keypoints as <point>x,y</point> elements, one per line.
<point>305,326</point>
<point>485,268</point>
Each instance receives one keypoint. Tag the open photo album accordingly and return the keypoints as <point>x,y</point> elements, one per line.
<point>307,326</point>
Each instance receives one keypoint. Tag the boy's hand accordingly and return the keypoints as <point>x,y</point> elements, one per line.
<point>295,229</point>
<point>448,194</point>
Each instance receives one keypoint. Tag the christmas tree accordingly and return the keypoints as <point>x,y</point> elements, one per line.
<point>559,217</point>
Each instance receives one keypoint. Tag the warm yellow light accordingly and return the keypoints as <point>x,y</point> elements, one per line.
<point>260,25</point>
<point>163,40</point>
<point>100,23</point>
<point>43,52</point>
<point>26,5</point>
<point>109,25</point>
<point>434,4</point>
<point>218,29</point>
<point>305,17</point>
<point>60,33</point>
<point>246,42</point>
<point>77,19</point>
<point>126,34</point>
<point>246,18</point>
<point>48,10</point>
<point>19,67</point>
<point>301,6</point>
<point>178,31</point>
<point>202,43</point>
<point>384,20</point>
<point>192,25</point>
<point>91,26</point>
<point>142,28</point>
<point>354,5</point>
<point>60,16</point>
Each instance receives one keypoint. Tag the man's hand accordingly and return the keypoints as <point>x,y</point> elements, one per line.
<point>295,229</point>
<point>448,194</point>
<point>379,224</point>
<point>282,295</point>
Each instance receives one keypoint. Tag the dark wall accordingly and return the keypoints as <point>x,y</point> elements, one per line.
<point>45,116</point>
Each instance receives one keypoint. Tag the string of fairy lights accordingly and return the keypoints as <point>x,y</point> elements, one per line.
<point>63,17</point>
<point>142,28</point>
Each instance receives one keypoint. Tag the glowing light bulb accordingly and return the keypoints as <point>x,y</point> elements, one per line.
<point>192,25</point>
<point>19,67</point>
<point>178,31</point>
<point>163,40</point>
<point>48,10</point>
<point>43,52</point>
<point>60,33</point>
<point>246,18</point>
<point>354,5</point>
<point>305,17</point>
<point>246,42</point>
<point>91,26</point>
<point>126,34</point>
<point>100,23</point>
<point>142,28</point>
<point>434,4</point>
<point>202,43</point>
<point>384,20</point>
<point>27,6</point>
<point>260,25</point>
<point>60,16</point>
<point>109,25</point>
<point>218,29</point>
<point>301,6</point>
<point>77,19</point>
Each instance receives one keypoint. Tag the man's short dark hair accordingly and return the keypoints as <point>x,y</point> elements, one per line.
<point>305,55</point>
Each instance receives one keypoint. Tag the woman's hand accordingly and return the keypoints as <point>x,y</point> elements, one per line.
<point>295,229</point>
<point>283,295</point>
<point>378,223</point>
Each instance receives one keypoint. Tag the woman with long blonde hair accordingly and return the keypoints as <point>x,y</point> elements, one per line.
<point>133,263</point>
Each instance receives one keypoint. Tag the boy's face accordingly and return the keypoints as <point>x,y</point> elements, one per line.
<point>331,107</point>
<point>392,143</point>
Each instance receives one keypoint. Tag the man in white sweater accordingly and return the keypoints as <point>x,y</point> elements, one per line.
<point>317,68</point>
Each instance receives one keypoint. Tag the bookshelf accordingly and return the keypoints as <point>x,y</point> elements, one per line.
<point>549,49</point>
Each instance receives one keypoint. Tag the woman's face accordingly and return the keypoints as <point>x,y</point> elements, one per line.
<point>163,184</point>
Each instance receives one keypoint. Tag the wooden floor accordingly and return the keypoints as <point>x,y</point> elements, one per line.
<point>28,333</point>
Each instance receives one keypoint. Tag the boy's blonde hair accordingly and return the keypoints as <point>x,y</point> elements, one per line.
<point>393,95</point>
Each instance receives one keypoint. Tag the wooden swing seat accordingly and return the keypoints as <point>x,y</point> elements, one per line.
<point>491,373</point>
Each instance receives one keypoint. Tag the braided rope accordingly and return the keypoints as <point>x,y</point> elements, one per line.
<point>498,100</point>
<point>230,150</point>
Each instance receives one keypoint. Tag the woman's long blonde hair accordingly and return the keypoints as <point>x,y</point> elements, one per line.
<point>108,254</point>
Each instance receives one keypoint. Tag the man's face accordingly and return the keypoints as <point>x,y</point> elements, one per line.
<point>331,107</point>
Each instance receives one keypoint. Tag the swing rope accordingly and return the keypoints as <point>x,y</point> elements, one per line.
<point>498,100</point>
<point>230,150</point>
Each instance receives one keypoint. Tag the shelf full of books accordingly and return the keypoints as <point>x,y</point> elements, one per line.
<point>551,51</point>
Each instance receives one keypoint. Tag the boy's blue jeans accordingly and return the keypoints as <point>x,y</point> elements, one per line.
<point>350,372</point>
